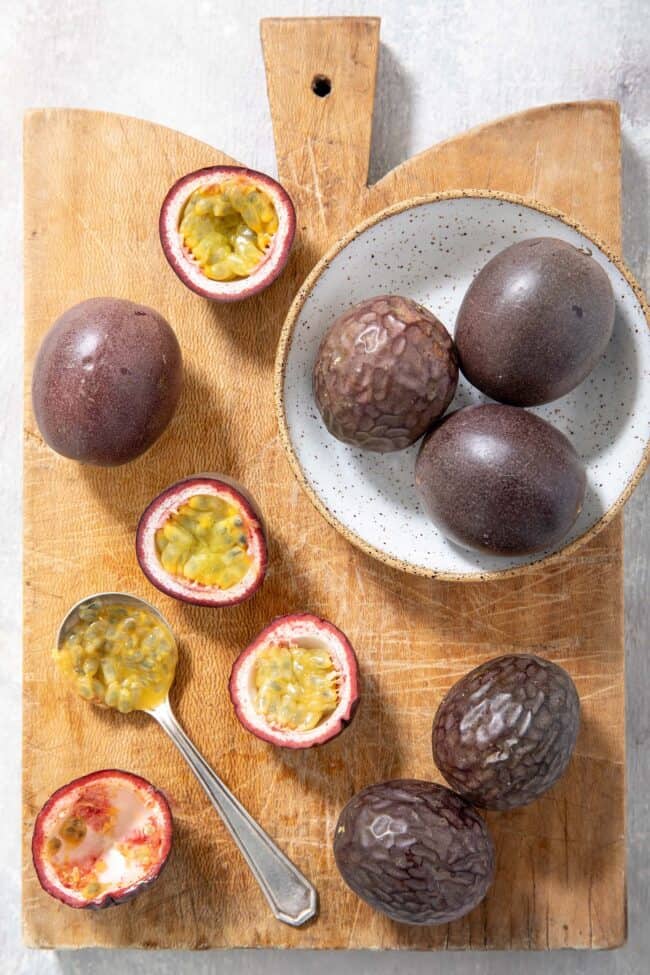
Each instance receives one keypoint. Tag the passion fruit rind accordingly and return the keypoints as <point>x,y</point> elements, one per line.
<point>116,895</point>
<point>165,504</point>
<point>183,262</point>
<point>297,629</point>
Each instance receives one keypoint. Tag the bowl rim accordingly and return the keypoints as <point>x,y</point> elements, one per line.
<point>284,348</point>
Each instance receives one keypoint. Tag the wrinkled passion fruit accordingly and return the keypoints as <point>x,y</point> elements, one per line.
<point>385,370</point>
<point>101,839</point>
<point>227,231</point>
<point>106,381</point>
<point>505,732</point>
<point>499,479</point>
<point>415,851</point>
<point>297,684</point>
<point>202,541</point>
<point>535,321</point>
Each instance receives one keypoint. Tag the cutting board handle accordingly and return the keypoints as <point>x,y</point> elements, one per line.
<point>321,75</point>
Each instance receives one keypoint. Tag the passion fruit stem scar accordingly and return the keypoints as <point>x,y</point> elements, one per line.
<point>291,897</point>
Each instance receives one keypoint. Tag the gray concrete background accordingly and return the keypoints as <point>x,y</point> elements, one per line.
<point>196,66</point>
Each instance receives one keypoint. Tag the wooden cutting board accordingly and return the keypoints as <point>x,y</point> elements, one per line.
<point>93,186</point>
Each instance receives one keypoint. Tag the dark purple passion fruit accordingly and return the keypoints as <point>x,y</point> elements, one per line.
<point>106,381</point>
<point>414,851</point>
<point>505,732</point>
<point>534,322</point>
<point>297,684</point>
<point>227,231</point>
<point>500,479</point>
<point>202,541</point>
<point>385,370</point>
<point>101,839</point>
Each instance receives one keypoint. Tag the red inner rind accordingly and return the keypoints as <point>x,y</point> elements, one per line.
<point>116,895</point>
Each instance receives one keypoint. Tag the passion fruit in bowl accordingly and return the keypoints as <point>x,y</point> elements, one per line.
<point>101,839</point>
<point>385,371</point>
<point>202,541</point>
<point>297,684</point>
<point>227,231</point>
<point>430,249</point>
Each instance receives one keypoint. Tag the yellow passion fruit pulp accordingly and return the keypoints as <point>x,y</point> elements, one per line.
<point>205,541</point>
<point>295,687</point>
<point>119,656</point>
<point>228,227</point>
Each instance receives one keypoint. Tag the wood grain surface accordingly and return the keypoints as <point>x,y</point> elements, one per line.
<point>93,187</point>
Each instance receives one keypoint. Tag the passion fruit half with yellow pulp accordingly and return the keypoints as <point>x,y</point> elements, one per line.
<point>227,231</point>
<point>101,839</point>
<point>202,541</point>
<point>297,684</point>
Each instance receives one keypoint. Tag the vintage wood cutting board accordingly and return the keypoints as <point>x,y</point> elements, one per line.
<point>93,187</point>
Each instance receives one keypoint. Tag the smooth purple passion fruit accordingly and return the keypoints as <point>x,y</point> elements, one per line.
<point>500,479</point>
<point>534,322</point>
<point>202,541</point>
<point>106,381</point>
<point>227,231</point>
<point>297,684</point>
<point>385,370</point>
<point>505,732</point>
<point>101,839</point>
<point>414,851</point>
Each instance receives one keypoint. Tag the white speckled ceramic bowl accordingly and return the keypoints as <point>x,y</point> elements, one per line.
<point>429,249</point>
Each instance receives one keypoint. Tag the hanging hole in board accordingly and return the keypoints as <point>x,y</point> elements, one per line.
<point>321,85</point>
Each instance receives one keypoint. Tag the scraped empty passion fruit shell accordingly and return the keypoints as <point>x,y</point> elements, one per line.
<point>202,541</point>
<point>297,684</point>
<point>227,231</point>
<point>101,839</point>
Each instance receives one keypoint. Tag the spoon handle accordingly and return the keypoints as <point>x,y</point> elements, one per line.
<point>292,898</point>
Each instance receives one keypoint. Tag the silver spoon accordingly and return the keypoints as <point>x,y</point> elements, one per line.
<point>291,897</point>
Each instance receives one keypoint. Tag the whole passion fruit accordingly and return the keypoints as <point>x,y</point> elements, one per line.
<point>227,231</point>
<point>385,370</point>
<point>534,322</point>
<point>101,839</point>
<point>499,479</point>
<point>505,732</point>
<point>106,381</point>
<point>297,684</point>
<point>414,851</point>
<point>202,541</point>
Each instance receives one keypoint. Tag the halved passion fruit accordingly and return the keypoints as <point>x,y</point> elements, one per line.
<point>297,684</point>
<point>227,231</point>
<point>202,541</point>
<point>101,839</point>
